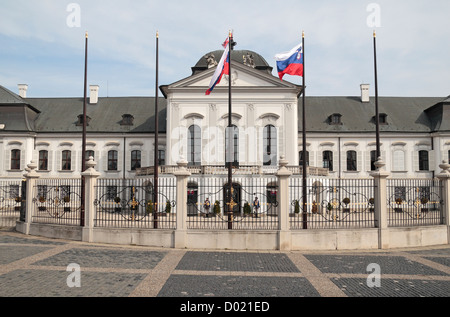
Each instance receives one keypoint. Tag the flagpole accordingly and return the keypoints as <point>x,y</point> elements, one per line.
<point>305,198</point>
<point>83,146</point>
<point>156,163</point>
<point>377,114</point>
<point>230,172</point>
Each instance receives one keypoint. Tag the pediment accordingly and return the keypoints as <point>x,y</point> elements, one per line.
<point>242,77</point>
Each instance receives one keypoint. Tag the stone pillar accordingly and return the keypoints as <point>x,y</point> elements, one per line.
<point>381,211</point>
<point>284,233</point>
<point>444,177</point>
<point>90,176</point>
<point>182,175</point>
<point>31,177</point>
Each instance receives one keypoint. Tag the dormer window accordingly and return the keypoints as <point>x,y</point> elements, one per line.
<point>127,119</point>
<point>335,119</point>
<point>383,119</point>
<point>80,120</point>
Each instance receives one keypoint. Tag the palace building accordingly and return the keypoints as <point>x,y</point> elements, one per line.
<point>415,131</point>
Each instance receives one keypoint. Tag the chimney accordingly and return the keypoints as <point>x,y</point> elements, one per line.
<point>23,90</point>
<point>365,96</point>
<point>93,97</point>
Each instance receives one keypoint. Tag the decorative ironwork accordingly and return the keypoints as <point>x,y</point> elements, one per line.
<point>414,202</point>
<point>334,204</point>
<point>124,203</point>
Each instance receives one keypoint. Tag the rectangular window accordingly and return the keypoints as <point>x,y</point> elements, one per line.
<point>66,161</point>
<point>328,160</point>
<point>373,159</point>
<point>112,160</point>
<point>423,161</point>
<point>351,161</point>
<point>43,160</point>
<point>88,154</point>
<point>15,159</point>
<point>161,157</point>
<point>135,160</point>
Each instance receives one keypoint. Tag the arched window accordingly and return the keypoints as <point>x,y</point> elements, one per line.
<point>88,154</point>
<point>300,161</point>
<point>135,160</point>
<point>232,156</point>
<point>194,145</point>
<point>270,145</point>
<point>351,161</point>
<point>112,160</point>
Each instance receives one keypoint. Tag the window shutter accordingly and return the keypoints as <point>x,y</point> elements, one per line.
<point>415,161</point>
<point>58,160</point>
<point>22,160</point>
<point>367,160</point>
<point>50,160</point>
<point>359,163</point>
<point>335,161</point>
<point>120,162</point>
<point>343,161</point>
<point>104,160</point>
<point>432,160</point>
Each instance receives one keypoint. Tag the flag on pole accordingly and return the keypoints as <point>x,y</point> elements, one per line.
<point>291,62</point>
<point>222,68</point>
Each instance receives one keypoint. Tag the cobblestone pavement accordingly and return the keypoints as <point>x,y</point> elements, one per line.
<point>39,267</point>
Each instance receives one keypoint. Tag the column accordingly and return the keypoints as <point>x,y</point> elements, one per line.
<point>31,177</point>
<point>381,211</point>
<point>182,175</point>
<point>444,177</point>
<point>283,174</point>
<point>90,176</point>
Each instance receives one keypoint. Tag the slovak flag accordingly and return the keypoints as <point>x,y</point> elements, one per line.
<point>291,62</point>
<point>222,68</point>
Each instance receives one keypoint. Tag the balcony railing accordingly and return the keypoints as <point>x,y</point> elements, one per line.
<point>222,170</point>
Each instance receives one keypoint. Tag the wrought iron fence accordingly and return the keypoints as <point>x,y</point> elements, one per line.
<point>10,200</point>
<point>57,201</point>
<point>129,203</point>
<point>251,205</point>
<point>332,203</point>
<point>414,202</point>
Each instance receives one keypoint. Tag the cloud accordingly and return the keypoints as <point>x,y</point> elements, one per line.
<point>411,41</point>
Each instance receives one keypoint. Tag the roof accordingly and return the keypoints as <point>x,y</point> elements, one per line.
<point>8,97</point>
<point>61,114</point>
<point>404,114</point>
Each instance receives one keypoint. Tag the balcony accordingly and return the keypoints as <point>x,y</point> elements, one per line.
<point>241,170</point>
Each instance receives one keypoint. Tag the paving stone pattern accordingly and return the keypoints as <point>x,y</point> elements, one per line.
<point>38,267</point>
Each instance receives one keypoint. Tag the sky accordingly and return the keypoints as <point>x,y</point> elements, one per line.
<point>42,43</point>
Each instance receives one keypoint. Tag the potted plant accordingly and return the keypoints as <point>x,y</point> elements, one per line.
<point>346,201</point>
<point>398,202</point>
<point>329,207</point>
<point>42,201</point>
<point>66,200</point>
<point>18,200</point>
<point>371,205</point>
<point>216,207</point>
<point>424,201</point>
<point>118,208</point>
<point>247,209</point>
<point>168,208</point>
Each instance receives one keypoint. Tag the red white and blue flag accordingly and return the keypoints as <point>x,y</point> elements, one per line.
<point>222,68</point>
<point>291,62</point>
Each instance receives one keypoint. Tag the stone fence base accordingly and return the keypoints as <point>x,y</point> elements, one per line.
<point>332,239</point>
